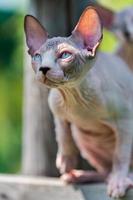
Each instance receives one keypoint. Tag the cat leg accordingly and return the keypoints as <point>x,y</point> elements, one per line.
<point>95,158</point>
<point>67,156</point>
<point>119,181</point>
<point>81,176</point>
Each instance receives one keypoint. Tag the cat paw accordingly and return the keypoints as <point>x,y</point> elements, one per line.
<point>81,176</point>
<point>74,176</point>
<point>65,163</point>
<point>117,186</point>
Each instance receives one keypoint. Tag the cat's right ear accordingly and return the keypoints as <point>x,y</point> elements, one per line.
<point>36,35</point>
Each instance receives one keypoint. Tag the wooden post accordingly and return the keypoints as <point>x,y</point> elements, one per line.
<point>39,146</point>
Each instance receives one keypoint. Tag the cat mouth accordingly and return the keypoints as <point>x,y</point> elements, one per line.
<point>45,80</point>
<point>56,80</point>
<point>51,83</point>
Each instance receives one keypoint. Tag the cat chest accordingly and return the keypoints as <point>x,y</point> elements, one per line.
<point>82,112</point>
<point>75,108</point>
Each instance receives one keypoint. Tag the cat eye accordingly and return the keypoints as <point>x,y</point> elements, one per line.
<point>65,55</point>
<point>37,58</point>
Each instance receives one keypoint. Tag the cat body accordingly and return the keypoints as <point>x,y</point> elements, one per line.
<point>92,107</point>
<point>91,100</point>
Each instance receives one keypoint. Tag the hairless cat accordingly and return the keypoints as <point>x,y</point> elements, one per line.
<point>91,98</point>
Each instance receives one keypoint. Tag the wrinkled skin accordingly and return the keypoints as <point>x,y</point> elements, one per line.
<point>91,100</point>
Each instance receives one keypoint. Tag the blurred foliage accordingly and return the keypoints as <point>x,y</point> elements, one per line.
<point>11,58</point>
<point>11,62</point>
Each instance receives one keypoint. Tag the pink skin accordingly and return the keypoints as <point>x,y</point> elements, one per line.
<point>91,102</point>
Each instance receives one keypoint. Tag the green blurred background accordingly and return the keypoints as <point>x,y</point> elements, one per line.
<point>11,68</point>
<point>11,77</point>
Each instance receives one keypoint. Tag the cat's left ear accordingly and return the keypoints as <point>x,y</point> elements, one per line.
<point>36,35</point>
<point>88,31</point>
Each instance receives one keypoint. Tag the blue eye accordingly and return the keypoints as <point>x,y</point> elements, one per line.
<point>37,58</point>
<point>65,55</point>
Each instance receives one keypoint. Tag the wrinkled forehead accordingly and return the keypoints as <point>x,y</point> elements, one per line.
<point>55,43</point>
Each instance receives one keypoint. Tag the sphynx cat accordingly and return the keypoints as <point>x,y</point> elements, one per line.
<point>91,98</point>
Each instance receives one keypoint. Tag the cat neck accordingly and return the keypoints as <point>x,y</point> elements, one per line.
<point>81,92</point>
<point>71,93</point>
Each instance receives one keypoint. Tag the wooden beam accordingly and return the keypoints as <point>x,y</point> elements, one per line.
<point>14,187</point>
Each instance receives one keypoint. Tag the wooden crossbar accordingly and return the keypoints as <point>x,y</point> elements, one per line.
<point>13,187</point>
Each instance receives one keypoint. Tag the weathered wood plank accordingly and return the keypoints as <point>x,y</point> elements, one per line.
<point>31,188</point>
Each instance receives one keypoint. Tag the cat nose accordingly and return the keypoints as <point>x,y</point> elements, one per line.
<point>44,70</point>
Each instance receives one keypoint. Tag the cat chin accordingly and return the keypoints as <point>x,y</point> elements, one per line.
<point>55,75</point>
<point>54,83</point>
<point>50,83</point>
<point>46,81</point>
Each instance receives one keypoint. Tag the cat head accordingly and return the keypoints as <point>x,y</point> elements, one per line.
<point>63,61</point>
<point>120,23</point>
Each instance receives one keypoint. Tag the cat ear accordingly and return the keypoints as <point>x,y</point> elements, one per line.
<point>36,35</point>
<point>106,15</point>
<point>88,30</point>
